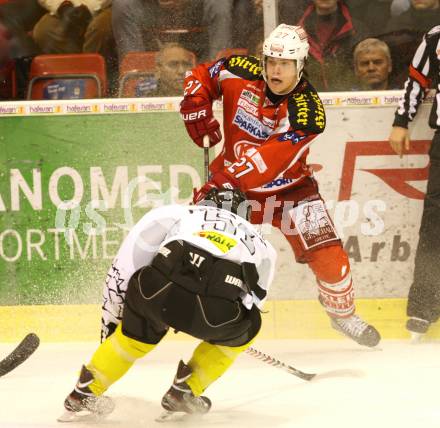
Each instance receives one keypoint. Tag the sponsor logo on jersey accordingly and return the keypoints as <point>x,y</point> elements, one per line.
<point>196,259</point>
<point>250,124</point>
<point>215,69</point>
<point>268,122</point>
<point>164,251</point>
<point>279,182</point>
<point>250,108</point>
<point>314,225</point>
<point>193,116</point>
<point>319,111</point>
<point>241,147</point>
<point>302,104</point>
<point>222,242</point>
<point>308,108</point>
<point>291,136</point>
<point>250,96</point>
<point>233,280</point>
<point>245,64</point>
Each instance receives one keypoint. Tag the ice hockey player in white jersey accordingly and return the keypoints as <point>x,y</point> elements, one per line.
<point>203,270</point>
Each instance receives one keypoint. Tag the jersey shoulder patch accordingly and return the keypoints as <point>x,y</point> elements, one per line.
<point>306,111</point>
<point>246,67</point>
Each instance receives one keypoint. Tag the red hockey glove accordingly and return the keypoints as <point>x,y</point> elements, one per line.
<point>196,112</point>
<point>218,180</point>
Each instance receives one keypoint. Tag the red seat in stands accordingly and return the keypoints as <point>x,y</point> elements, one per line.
<point>67,76</point>
<point>136,68</point>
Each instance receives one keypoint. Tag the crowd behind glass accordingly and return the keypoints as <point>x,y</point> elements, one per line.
<point>354,44</point>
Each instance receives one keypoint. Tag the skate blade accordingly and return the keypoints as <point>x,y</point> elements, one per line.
<point>168,416</point>
<point>68,416</point>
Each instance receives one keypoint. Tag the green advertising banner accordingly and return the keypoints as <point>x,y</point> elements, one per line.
<point>70,189</point>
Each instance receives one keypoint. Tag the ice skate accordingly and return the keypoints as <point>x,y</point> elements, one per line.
<point>180,399</point>
<point>418,328</point>
<point>82,404</point>
<point>357,329</point>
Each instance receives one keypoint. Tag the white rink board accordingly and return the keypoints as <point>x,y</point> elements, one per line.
<point>361,121</point>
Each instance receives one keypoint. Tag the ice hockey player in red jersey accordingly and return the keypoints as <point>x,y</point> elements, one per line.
<point>272,115</point>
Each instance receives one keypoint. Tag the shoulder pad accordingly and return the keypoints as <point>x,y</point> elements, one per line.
<point>306,111</point>
<point>246,67</point>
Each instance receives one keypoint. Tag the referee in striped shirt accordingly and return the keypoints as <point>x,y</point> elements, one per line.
<point>424,295</point>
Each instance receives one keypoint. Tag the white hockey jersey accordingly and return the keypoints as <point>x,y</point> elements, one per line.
<point>220,232</point>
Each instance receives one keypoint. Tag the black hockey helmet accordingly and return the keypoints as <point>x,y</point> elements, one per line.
<point>233,200</point>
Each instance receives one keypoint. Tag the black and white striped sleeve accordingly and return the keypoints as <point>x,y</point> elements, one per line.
<point>419,78</point>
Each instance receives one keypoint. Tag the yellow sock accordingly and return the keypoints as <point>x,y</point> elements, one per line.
<point>113,358</point>
<point>209,362</point>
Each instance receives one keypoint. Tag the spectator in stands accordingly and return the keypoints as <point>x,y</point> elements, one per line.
<point>290,11</point>
<point>231,24</point>
<point>173,61</point>
<point>421,16</point>
<point>201,26</point>
<point>17,18</point>
<point>374,14</point>
<point>405,31</point>
<point>78,26</point>
<point>332,34</point>
<point>372,65</point>
<point>399,6</point>
<point>75,26</point>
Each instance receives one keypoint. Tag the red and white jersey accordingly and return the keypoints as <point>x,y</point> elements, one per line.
<point>265,143</point>
<point>217,231</point>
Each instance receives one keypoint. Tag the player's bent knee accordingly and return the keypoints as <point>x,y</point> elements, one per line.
<point>132,347</point>
<point>330,264</point>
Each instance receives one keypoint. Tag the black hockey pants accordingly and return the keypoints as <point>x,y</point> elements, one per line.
<point>424,294</point>
<point>185,288</point>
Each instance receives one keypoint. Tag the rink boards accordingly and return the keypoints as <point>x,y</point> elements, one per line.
<point>287,319</point>
<point>57,239</point>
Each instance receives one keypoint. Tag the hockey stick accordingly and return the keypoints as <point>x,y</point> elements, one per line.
<point>206,157</point>
<point>252,351</point>
<point>278,364</point>
<point>20,354</point>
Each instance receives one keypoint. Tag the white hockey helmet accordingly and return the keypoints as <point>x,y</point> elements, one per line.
<point>287,42</point>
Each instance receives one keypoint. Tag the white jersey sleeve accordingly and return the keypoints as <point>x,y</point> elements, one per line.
<point>137,250</point>
<point>220,232</point>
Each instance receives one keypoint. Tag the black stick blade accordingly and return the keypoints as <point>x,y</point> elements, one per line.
<point>20,354</point>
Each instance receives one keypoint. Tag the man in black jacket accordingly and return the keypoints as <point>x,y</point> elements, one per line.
<point>332,34</point>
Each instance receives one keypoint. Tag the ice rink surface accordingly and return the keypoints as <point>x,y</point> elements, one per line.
<point>395,385</point>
